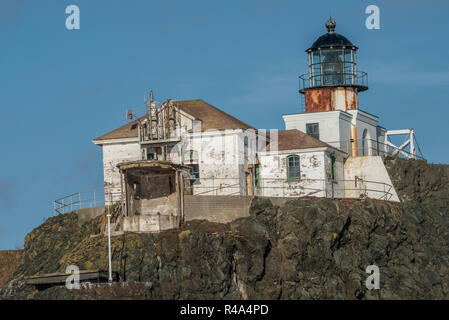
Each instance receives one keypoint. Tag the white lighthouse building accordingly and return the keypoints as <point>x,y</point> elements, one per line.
<point>185,157</point>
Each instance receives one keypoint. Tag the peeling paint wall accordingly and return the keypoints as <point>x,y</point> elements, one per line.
<point>273,172</point>
<point>113,154</point>
<point>222,164</point>
<point>369,168</point>
<point>335,188</point>
<point>225,159</point>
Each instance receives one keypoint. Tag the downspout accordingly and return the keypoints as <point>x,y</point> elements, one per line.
<point>354,137</point>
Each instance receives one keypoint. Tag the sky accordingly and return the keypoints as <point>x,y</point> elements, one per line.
<point>60,88</point>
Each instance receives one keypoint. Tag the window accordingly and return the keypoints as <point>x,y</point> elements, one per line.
<point>245,148</point>
<point>313,130</point>
<point>151,153</point>
<point>151,156</point>
<point>293,171</point>
<point>136,190</point>
<point>333,168</point>
<point>257,175</point>
<point>365,148</point>
<point>191,159</point>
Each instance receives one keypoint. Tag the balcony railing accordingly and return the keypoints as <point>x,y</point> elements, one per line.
<point>334,79</point>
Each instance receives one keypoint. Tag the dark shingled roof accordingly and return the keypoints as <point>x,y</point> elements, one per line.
<point>210,116</point>
<point>295,139</point>
<point>334,40</point>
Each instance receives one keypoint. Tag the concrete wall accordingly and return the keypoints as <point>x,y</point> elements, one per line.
<point>369,168</point>
<point>113,154</point>
<point>88,214</point>
<point>153,223</point>
<point>163,205</point>
<point>222,209</point>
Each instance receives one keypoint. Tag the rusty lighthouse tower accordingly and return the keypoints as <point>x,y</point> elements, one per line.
<point>330,88</point>
<point>332,81</point>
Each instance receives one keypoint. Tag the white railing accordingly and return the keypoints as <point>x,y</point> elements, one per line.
<point>370,147</point>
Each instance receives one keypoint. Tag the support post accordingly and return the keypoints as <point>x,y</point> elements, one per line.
<point>412,144</point>
<point>109,246</point>
<point>109,242</point>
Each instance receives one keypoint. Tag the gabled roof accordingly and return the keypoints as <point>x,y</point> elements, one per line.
<point>211,118</point>
<point>128,130</point>
<point>295,139</point>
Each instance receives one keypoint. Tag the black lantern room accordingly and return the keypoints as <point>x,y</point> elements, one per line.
<point>333,63</point>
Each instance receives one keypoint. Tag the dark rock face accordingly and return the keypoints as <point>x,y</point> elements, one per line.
<point>306,249</point>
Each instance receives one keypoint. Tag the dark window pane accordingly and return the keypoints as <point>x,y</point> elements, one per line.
<point>151,156</point>
<point>293,170</point>
<point>312,129</point>
<point>334,168</point>
<point>194,173</point>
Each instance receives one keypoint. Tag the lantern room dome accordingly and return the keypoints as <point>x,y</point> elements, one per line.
<point>331,39</point>
<point>332,62</point>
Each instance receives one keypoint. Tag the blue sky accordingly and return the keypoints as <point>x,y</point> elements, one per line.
<point>59,89</point>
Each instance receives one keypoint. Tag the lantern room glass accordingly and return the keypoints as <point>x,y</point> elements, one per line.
<point>328,67</point>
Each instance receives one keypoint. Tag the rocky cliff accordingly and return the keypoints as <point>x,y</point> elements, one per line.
<point>306,249</point>
<point>9,261</point>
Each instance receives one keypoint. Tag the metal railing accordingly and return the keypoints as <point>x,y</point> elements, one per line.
<point>333,79</point>
<point>275,187</point>
<point>80,200</point>
<point>340,188</point>
<point>370,147</point>
<point>217,186</point>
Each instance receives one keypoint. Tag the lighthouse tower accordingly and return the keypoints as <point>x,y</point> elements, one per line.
<point>331,88</point>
